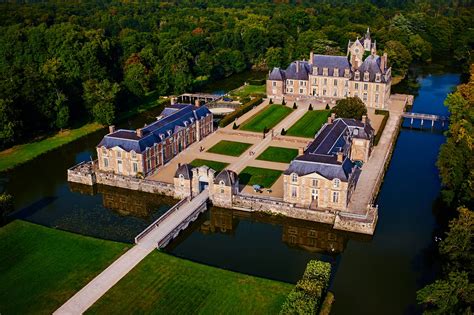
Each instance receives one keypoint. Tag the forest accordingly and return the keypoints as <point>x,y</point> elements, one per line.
<point>66,63</point>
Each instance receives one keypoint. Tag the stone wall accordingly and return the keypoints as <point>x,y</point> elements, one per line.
<point>82,173</point>
<point>277,206</point>
<point>357,224</point>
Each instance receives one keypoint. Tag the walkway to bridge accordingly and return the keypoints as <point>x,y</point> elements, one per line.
<point>166,228</point>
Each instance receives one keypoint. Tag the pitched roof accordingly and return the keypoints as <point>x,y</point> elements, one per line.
<point>277,75</point>
<point>172,119</point>
<point>227,176</point>
<point>331,62</point>
<point>185,170</point>
<point>371,64</point>
<point>298,70</point>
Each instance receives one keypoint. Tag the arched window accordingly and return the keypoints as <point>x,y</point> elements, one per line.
<point>336,182</point>
<point>294,177</point>
<point>221,183</point>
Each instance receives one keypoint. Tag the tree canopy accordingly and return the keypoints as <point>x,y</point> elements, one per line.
<point>350,107</point>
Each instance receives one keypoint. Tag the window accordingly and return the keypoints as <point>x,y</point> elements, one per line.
<point>377,87</point>
<point>356,131</point>
<point>366,86</point>
<point>106,162</point>
<point>294,191</point>
<point>346,93</point>
<point>149,164</point>
<point>315,81</point>
<point>366,76</point>
<point>335,92</point>
<point>356,86</point>
<point>336,72</point>
<point>290,82</point>
<point>134,154</point>
<point>335,197</point>
<point>119,154</point>
<point>346,72</point>
<point>336,182</point>
<point>364,97</point>
<point>325,81</point>
<point>314,182</point>
<point>377,77</point>
<point>294,178</point>
<point>312,233</point>
<point>335,82</point>
<point>357,75</point>
<point>135,167</point>
<point>376,98</point>
<point>104,151</point>
<point>315,70</point>
<point>274,83</point>
<point>302,83</point>
<point>325,71</point>
<point>301,91</point>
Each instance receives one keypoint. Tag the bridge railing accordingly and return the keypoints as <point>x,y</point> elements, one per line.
<point>160,219</point>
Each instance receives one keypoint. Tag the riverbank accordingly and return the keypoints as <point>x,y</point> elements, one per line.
<point>22,153</point>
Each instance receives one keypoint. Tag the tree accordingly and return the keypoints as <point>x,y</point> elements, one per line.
<point>62,112</point>
<point>275,57</point>
<point>453,295</point>
<point>350,107</point>
<point>6,206</point>
<point>399,57</point>
<point>101,98</point>
<point>8,123</point>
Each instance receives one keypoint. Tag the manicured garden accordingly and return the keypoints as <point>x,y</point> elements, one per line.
<point>266,118</point>
<point>308,125</point>
<point>217,166</point>
<point>278,154</point>
<point>41,268</point>
<point>248,90</point>
<point>165,284</point>
<point>231,148</point>
<point>259,176</point>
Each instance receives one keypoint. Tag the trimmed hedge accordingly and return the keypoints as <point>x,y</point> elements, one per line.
<point>239,112</point>
<point>257,82</point>
<point>386,114</point>
<point>308,295</point>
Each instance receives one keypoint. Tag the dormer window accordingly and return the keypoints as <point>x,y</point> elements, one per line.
<point>357,75</point>
<point>366,76</point>
<point>162,136</point>
<point>168,132</point>
<point>346,73</point>
<point>356,131</point>
<point>336,72</point>
<point>315,70</point>
<point>325,71</point>
<point>133,154</point>
<point>377,77</point>
<point>192,120</point>
<point>294,177</point>
<point>104,150</point>
<point>185,124</point>
<point>336,182</point>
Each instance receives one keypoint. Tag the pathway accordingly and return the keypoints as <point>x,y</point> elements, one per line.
<point>258,148</point>
<point>374,168</point>
<point>92,292</point>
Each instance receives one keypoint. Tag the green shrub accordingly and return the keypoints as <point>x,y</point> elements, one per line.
<point>240,111</point>
<point>235,126</point>
<point>6,206</point>
<point>327,106</point>
<point>310,107</point>
<point>309,292</point>
<point>294,105</point>
<point>271,102</point>
<point>283,131</point>
<point>257,82</point>
<point>283,102</point>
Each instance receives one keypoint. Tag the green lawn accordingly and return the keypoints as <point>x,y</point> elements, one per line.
<point>24,152</point>
<point>278,154</point>
<point>217,166</point>
<point>259,176</point>
<point>231,148</point>
<point>41,268</point>
<point>249,89</point>
<point>309,124</point>
<point>164,284</point>
<point>268,117</point>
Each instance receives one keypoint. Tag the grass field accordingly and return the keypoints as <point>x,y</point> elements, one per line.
<point>278,154</point>
<point>259,176</point>
<point>41,268</point>
<point>269,118</point>
<point>249,89</point>
<point>163,284</point>
<point>231,148</point>
<point>309,124</point>
<point>24,152</point>
<point>217,166</point>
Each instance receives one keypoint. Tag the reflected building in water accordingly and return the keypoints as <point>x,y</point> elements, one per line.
<point>307,235</point>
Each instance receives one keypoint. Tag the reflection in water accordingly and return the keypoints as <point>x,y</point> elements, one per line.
<point>243,241</point>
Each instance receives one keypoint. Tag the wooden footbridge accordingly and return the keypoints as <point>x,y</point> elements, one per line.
<point>425,117</point>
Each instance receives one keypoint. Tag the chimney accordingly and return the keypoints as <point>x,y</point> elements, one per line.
<point>197,103</point>
<point>300,151</point>
<point>340,156</point>
<point>139,132</point>
<point>364,119</point>
<point>297,66</point>
<point>383,62</point>
<point>331,118</point>
<point>311,57</point>
<point>111,129</point>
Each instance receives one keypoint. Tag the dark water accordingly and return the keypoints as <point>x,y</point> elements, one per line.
<point>378,275</point>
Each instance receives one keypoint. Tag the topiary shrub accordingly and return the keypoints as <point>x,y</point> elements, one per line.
<point>271,102</point>
<point>310,107</point>
<point>294,105</point>
<point>283,131</point>
<point>283,102</point>
<point>327,106</point>
<point>235,126</point>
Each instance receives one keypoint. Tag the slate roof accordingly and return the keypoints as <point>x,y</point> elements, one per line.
<point>372,65</point>
<point>171,120</point>
<point>303,68</point>
<point>331,62</point>
<point>321,155</point>
<point>227,176</point>
<point>185,170</point>
<point>277,75</point>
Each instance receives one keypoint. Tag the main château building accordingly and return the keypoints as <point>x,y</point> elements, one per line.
<point>326,78</point>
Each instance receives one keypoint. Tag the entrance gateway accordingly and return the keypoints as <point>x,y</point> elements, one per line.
<point>203,183</point>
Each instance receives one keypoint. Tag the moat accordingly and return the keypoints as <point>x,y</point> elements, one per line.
<point>370,274</point>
